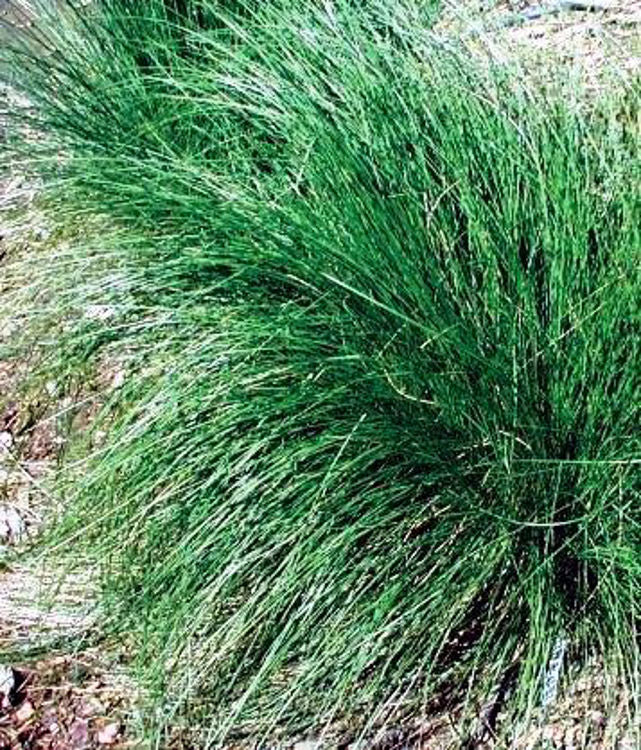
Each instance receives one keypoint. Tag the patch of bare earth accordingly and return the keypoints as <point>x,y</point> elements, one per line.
<point>58,689</point>
<point>69,702</point>
<point>595,43</point>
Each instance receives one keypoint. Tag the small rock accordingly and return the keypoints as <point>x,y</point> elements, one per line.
<point>12,526</point>
<point>7,683</point>
<point>308,745</point>
<point>25,712</point>
<point>6,440</point>
<point>118,379</point>
<point>91,707</point>
<point>108,734</point>
<point>79,734</point>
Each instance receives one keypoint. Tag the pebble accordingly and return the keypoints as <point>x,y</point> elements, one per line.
<point>308,745</point>
<point>91,707</point>
<point>25,712</point>
<point>12,526</point>
<point>7,683</point>
<point>79,733</point>
<point>108,734</point>
<point>118,379</point>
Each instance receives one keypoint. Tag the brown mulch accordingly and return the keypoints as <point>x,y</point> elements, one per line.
<point>62,703</point>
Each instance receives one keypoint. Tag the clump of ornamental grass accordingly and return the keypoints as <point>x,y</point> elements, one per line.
<point>377,445</point>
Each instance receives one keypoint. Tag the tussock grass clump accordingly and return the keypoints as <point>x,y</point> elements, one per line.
<point>378,441</point>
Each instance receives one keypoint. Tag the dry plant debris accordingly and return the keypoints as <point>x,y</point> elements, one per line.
<point>598,48</point>
<point>73,701</point>
<point>62,703</point>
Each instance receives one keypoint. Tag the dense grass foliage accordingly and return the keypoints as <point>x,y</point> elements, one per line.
<point>378,441</point>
